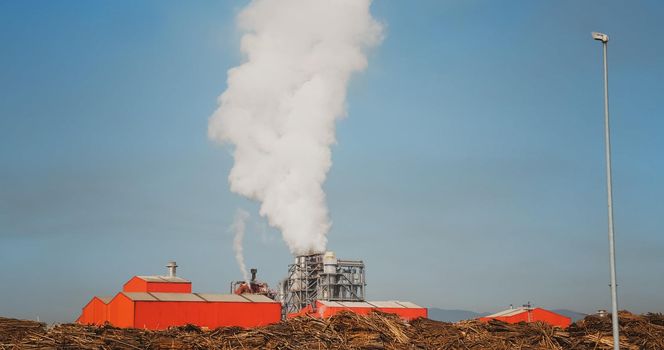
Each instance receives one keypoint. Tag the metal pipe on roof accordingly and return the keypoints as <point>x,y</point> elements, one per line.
<point>172,266</point>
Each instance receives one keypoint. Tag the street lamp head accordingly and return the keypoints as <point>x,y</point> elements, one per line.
<point>601,37</point>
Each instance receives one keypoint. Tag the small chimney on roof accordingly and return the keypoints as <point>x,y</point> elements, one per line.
<point>172,266</point>
<point>253,275</point>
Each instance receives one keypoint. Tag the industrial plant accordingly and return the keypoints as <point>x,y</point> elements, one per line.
<point>318,285</point>
<point>321,277</point>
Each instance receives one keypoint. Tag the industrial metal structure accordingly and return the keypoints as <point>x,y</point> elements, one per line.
<point>253,286</point>
<point>321,277</point>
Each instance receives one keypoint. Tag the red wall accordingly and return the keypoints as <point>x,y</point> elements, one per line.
<point>551,318</point>
<point>87,316</point>
<point>535,315</point>
<point>121,311</point>
<point>161,315</point>
<point>99,311</point>
<point>95,312</point>
<point>406,313</point>
<point>126,313</point>
<point>136,284</point>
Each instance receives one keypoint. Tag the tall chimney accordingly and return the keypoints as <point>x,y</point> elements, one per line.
<point>172,266</point>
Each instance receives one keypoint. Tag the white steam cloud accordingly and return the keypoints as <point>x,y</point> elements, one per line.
<point>238,227</point>
<point>280,107</point>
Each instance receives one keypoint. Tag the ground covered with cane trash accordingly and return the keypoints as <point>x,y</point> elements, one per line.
<point>345,331</point>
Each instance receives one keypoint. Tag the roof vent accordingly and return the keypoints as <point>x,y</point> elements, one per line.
<point>172,266</point>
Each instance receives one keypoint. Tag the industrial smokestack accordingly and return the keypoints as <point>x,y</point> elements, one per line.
<point>172,266</point>
<point>280,107</point>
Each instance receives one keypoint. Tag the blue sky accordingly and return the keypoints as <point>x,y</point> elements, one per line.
<point>469,173</point>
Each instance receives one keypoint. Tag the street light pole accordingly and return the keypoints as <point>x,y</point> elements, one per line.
<point>612,252</point>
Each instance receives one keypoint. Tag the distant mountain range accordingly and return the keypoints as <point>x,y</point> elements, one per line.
<point>460,315</point>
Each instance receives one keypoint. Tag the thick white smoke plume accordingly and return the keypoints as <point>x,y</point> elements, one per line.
<point>238,227</point>
<point>281,104</point>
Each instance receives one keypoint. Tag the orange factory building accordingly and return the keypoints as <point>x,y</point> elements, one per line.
<point>529,314</point>
<point>324,309</point>
<point>159,302</point>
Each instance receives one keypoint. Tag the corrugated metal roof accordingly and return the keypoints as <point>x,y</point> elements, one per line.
<point>197,297</point>
<point>508,312</point>
<point>151,278</point>
<point>163,279</point>
<point>139,296</point>
<point>177,296</point>
<point>257,298</point>
<point>409,305</point>
<point>386,304</point>
<point>355,304</point>
<point>174,279</point>
<point>223,297</point>
<point>330,303</point>
<point>105,299</point>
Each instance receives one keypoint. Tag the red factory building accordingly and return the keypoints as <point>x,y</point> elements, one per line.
<point>324,309</point>
<point>529,314</point>
<point>159,302</point>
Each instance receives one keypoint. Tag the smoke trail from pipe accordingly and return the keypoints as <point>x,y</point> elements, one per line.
<point>238,227</point>
<point>280,107</point>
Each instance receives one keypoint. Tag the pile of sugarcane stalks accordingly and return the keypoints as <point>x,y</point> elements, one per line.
<point>644,332</point>
<point>345,331</point>
<point>13,330</point>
